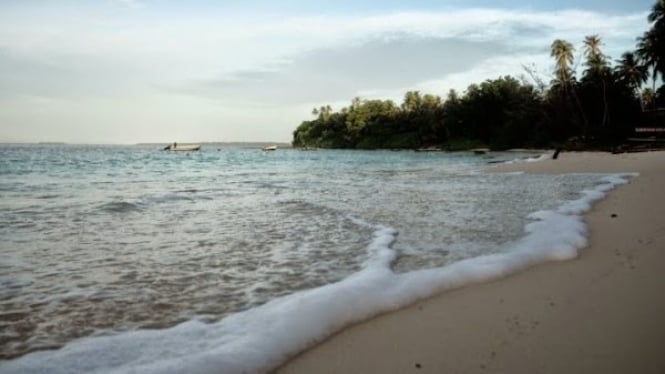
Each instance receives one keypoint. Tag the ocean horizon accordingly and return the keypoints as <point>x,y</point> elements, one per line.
<point>125,258</point>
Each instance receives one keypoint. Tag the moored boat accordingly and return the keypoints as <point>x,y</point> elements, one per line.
<point>179,147</point>
<point>269,148</point>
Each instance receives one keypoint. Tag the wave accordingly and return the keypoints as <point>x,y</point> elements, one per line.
<point>259,339</point>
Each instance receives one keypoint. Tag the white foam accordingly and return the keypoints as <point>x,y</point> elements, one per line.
<point>259,339</point>
<point>541,157</point>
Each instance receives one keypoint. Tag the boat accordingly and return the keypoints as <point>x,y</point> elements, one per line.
<point>269,148</point>
<point>175,147</point>
<point>428,149</point>
<point>480,151</point>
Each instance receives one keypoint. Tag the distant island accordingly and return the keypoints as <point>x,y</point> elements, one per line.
<point>599,109</point>
<point>219,144</point>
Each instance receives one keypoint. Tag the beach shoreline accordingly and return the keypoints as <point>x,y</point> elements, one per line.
<point>601,312</point>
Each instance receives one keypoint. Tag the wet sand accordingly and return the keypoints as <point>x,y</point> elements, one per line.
<point>603,312</point>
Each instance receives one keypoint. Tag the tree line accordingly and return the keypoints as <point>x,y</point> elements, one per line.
<point>600,107</point>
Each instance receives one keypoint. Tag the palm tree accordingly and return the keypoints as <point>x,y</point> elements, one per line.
<point>657,14</point>
<point>648,97</point>
<point>324,112</point>
<point>596,61</point>
<point>647,51</point>
<point>596,67</point>
<point>631,72</point>
<point>562,51</point>
<point>651,46</point>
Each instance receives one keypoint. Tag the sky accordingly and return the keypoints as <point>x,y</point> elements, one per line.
<point>134,71</point>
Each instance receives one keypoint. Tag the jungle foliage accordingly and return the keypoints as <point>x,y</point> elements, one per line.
<point>600,107</point>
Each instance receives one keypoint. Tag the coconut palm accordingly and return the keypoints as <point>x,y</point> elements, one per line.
<point>651,54</point>
<point>657,14</point>
<point>651,46</point>
<point>597,68</point>
<point>648,97</point>
<point>592,43</point>
<point>562,51</point>
<point>596,61</point>
<point>630,71</point>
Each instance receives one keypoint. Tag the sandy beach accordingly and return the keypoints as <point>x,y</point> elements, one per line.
<point>603,312</point>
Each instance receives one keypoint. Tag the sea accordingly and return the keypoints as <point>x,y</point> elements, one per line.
<point>130,259</point>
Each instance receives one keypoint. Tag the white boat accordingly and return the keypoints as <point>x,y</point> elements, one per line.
<point>175,147</point>
<point>269,148</point>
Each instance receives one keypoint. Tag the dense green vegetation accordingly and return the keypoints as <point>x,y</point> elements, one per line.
<point>601,107</point>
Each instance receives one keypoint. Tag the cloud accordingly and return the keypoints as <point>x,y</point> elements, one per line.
<point>164,65</point>
<point>398,52</point>
<point>341,72</point>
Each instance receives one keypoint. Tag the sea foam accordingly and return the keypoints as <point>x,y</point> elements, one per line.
<point>263,337</point>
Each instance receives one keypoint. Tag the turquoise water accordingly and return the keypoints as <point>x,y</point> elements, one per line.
<point>101,240</point>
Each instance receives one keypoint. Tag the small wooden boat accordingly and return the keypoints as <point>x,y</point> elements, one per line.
<point>269,148</point>
<point>175,147</point>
